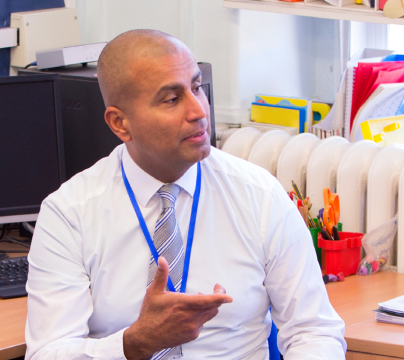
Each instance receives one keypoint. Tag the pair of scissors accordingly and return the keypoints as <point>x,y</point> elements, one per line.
<point>331,212</point>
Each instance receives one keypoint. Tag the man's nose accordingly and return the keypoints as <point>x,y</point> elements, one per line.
<point>195,107</point>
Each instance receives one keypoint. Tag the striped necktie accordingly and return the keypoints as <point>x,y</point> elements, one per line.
<point>168,242</point>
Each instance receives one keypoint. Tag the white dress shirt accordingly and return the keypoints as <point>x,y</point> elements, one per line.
<point>89,264</point>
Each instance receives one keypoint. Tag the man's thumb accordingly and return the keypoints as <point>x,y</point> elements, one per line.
<point>161,277</point>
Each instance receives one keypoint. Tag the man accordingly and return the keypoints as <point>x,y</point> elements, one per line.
<point>95,290</point>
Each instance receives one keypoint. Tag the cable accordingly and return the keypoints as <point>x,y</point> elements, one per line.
<point>9,239</point>
<point>29,65</point>
<point>28,227</point>
<point>6,238</point>
<point>3,231</point>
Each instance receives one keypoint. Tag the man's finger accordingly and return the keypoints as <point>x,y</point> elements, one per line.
<point>219,289</point>
<point>200,302</point>
<point>160,279</point>
<point>209,315</point>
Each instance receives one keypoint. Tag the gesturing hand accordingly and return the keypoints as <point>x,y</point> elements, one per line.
<point>169,319</point>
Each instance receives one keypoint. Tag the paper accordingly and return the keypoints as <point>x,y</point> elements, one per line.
<point>327,122</point>
<point>389,318</point>
<point>391,311</point>
<point>400,110</point>
<point>396,304</point>
<point>389,107</point>
<point>384,102</point>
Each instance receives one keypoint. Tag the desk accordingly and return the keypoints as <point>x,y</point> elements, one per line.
<point>353,299</point>
<point>13,313</point>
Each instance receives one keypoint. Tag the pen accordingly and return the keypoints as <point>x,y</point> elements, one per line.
<point>320,222</point>
<point>325,234</point>
<point>299,195</point>
<point>335,233</point>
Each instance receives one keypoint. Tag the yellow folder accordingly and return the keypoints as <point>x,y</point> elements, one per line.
<point>275,116</point>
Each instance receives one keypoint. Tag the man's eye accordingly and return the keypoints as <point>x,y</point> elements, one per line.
<point>198,88</point>
<point>172,100</point>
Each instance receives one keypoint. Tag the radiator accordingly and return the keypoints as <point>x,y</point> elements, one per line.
<point>368,179</point>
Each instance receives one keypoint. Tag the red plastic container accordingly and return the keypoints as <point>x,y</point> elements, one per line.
<point>341,255</point>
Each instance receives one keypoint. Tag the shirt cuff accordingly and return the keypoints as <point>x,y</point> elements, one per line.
<point>111,347</point>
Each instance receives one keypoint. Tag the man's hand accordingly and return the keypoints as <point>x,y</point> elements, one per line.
<point>169,319</point>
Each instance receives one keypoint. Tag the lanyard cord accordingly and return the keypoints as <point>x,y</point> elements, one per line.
<point>191,230</point>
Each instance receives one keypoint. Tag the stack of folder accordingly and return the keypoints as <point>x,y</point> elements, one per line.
<point>277,110</point>
<point>372,87</point>
<point>367,79</point>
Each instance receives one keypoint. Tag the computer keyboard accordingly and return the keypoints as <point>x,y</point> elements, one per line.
<point>13,277</point>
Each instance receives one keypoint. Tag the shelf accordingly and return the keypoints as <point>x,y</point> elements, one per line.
<point>319,9</point>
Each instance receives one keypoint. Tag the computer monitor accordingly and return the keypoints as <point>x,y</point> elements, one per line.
<point>87,138</point>
<point>31,145</point>
<point>207,86</point>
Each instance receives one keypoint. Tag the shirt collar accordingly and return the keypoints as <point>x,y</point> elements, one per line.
<point>144,186</point>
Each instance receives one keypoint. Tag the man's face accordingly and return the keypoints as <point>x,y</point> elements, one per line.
<point>168,117</point>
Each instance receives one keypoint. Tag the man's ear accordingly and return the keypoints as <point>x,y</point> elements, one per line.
<point>117,122</point>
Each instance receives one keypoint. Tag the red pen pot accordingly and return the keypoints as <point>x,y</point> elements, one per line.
<point>341,255</point>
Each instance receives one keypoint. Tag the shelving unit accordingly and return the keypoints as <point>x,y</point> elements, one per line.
<point>346,10</point>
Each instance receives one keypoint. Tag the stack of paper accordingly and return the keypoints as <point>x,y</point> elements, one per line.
<point>391,311</point>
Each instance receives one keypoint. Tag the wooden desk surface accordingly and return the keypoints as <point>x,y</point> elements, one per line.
<point>13,314</point>
<point>354,299</point>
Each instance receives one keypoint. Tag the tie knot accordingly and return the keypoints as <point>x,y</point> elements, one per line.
<point>168,194</point>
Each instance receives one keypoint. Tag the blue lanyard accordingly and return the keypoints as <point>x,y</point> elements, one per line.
<point>191,230</point>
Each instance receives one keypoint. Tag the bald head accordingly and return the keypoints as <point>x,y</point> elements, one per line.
<point>120,63</point>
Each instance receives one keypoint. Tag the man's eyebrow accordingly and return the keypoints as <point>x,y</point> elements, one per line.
<point>174,87</point>
<point>196,76</point>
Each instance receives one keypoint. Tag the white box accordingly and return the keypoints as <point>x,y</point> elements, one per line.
<point>69,55</point>
<point>43,30</point>
<point>8,37</point>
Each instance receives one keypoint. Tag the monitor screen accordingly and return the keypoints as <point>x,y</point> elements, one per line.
<point>31,144</point>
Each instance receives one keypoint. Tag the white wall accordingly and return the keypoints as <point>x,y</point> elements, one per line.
<point>368,35</point>
<point>102,20</point>
<point>216,39</point>
<point>277,55</point>
<point>250,52</point>
<point>396,36</point>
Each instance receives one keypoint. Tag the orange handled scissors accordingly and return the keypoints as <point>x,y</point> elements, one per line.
<point>331,210</point>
